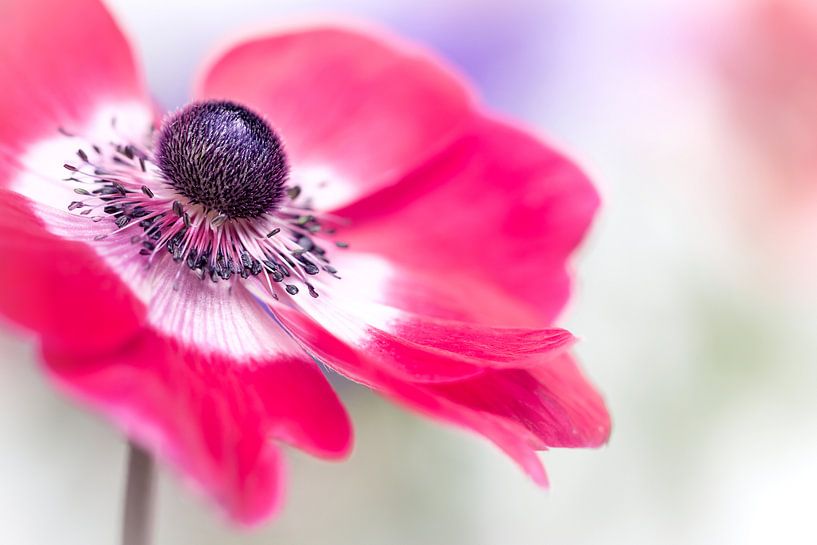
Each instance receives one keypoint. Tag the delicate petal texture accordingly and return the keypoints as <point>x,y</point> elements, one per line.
<point>215,317</point>
<point>387,281</point>
<point>355,109</point>
<point>59,62</point>
<point>520,410</point>
<point>530,407</point>
<point>212,417</point>
<point>423,348</point>
<point>499,213</point>
<point>60,288</point>
<point>509,436</point>
<point>553,401</point>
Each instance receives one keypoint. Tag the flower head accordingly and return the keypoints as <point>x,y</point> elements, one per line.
<point>329,194</point>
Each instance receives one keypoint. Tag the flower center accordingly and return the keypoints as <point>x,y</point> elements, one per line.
<point>224,157</point>
<point>210,191</point>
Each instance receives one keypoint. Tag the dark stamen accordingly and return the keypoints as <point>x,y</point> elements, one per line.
<point>293,192</point>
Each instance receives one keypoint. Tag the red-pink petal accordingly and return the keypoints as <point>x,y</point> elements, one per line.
<point>59,288</point>
<point>210,416</point>
<point>355,108</point>
<point>544,402</point>
<point>512,437</point>
<point>418,348</point>
<point>521,411</point>
<point>553,401</point>
<point>59,62</point>
<point>496,216</point>
<point>369,277</point>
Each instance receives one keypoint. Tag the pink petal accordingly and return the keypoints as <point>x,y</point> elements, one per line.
<point>59,288</point>
<point>509,385</point>
<point>57,281</point>
<point>520,411</point>
<point>355,108</point>
<point>61,64</point>
<point>553,401</point>
<point>213,418</point>
<point>497,215</point>
<point>224,321</point>
<point>59,61</point>
<point>417,348</point>
<point>512,437</point>
<point>369,277</point>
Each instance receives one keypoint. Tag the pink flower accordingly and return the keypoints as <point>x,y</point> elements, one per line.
<point>181,278</point>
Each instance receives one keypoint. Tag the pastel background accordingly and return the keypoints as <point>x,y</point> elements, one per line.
<point>695,296</point>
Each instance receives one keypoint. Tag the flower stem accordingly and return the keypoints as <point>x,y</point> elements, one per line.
<point>137,513</point>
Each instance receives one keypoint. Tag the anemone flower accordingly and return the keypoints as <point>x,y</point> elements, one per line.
<point>330,195</point>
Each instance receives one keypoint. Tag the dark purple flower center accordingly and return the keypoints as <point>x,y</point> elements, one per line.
<point>224,157</point>
<point>211,189</point>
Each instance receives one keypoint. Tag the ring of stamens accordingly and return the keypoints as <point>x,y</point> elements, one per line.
<point>121,183</point>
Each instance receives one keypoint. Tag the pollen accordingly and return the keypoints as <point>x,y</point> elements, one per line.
<point>224,157</point>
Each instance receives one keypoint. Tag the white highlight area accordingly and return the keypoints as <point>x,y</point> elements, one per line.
<point>42,179</point>
<point>324,186</point>
<point>350,307</point>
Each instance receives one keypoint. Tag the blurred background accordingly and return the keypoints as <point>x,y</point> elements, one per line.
<point>695,298</point>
